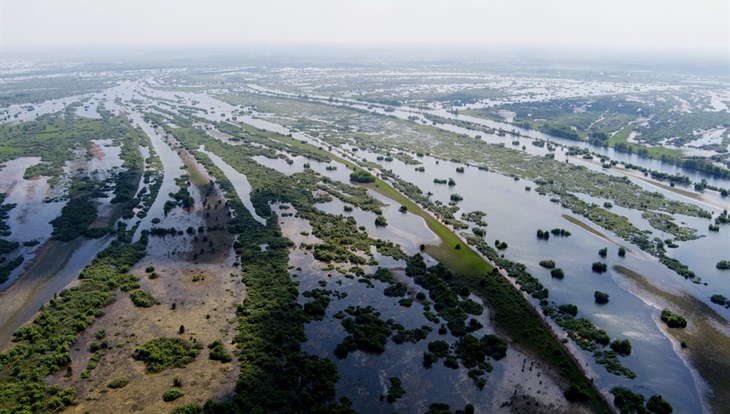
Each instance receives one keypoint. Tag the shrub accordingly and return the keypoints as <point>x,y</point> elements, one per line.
<point>600,297</point>
<point>569,309</point>
<point>599,267</point>
<point>172,394</point>
<point>621,251</point>
<point>396,390</point>
<point>119,382</point>
<point>621,347</point>
<point>218,352</point>
<point>673,320</point>
<point>548,264</point>
<point>720,300</point>
<point>380,221</point>
<point>162,353</point>
<point>188,409</point>
<point>723,265</point>
<point>576,393</point>
<point>557,273</point>
<point>627,401</point>
<point>657,404</point>
<point>362,176</point>
<point>142,299</point>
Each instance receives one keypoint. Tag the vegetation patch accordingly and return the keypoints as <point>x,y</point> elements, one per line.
<point>367,332</point>
<point>673,320</point>
<point>395,391</point>
<point>172,394</point>
<point>142,298</point>
<point>160,354</point>
<point>218,352</point>
<point>119,382</point>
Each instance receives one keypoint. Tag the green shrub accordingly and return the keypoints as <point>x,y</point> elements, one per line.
<point>218,352</point>
<point>658,405</point>
<point>600,297</point>
<point>142,298</point>
<point>395,391</point>
<point>162,353</point>
<point>557,273</point>
<point>599,267</point>
<point>673,320</point>
<point>576,393</point>
<point>362,176</point>
<point>188,409</point>
<point>119,382</point>
<point>548,264</point>
<point>172,394</point>
<point>627,401</point>
<point>621,347</point>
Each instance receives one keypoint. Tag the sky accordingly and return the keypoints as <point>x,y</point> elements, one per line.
<point>666,25</point>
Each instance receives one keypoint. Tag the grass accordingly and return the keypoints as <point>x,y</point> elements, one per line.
<point>622,137</point>
<point>707,346</point>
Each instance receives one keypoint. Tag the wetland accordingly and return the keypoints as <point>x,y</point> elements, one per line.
<point>291,236</point>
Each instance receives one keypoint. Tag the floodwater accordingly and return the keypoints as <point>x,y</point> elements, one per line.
<point>365,377</point>
<point>30,219</point>
<point>171,166</point>
<point>40,283</point>
<point>239,182</point>
<point>514,215</point>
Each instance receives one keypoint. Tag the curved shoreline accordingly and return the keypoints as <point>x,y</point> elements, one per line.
<point>47,274</point>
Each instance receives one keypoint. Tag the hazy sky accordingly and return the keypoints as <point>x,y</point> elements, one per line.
<point>702,25</point>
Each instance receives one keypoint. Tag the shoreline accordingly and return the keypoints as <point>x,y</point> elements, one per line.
<point>707,353</point>
<point>32,285</point>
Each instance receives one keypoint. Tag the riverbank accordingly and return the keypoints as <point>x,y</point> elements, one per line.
<point>57,264</point>
<point>707,337</point>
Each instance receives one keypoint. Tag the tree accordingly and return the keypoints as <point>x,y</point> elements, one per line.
<point>599,267</point>
<point>557,273</point>
<point>622,347</point>
<point>673,320</point>
<point>657,404</point>
<point>362,176</point>
<point>600,297</point>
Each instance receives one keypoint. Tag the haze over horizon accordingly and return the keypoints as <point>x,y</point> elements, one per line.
<point>622,25</point>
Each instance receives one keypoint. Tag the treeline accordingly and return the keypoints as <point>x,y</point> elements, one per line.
<point>557,130</point>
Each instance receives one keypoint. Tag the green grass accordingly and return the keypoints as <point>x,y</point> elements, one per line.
<point>622,137</point>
